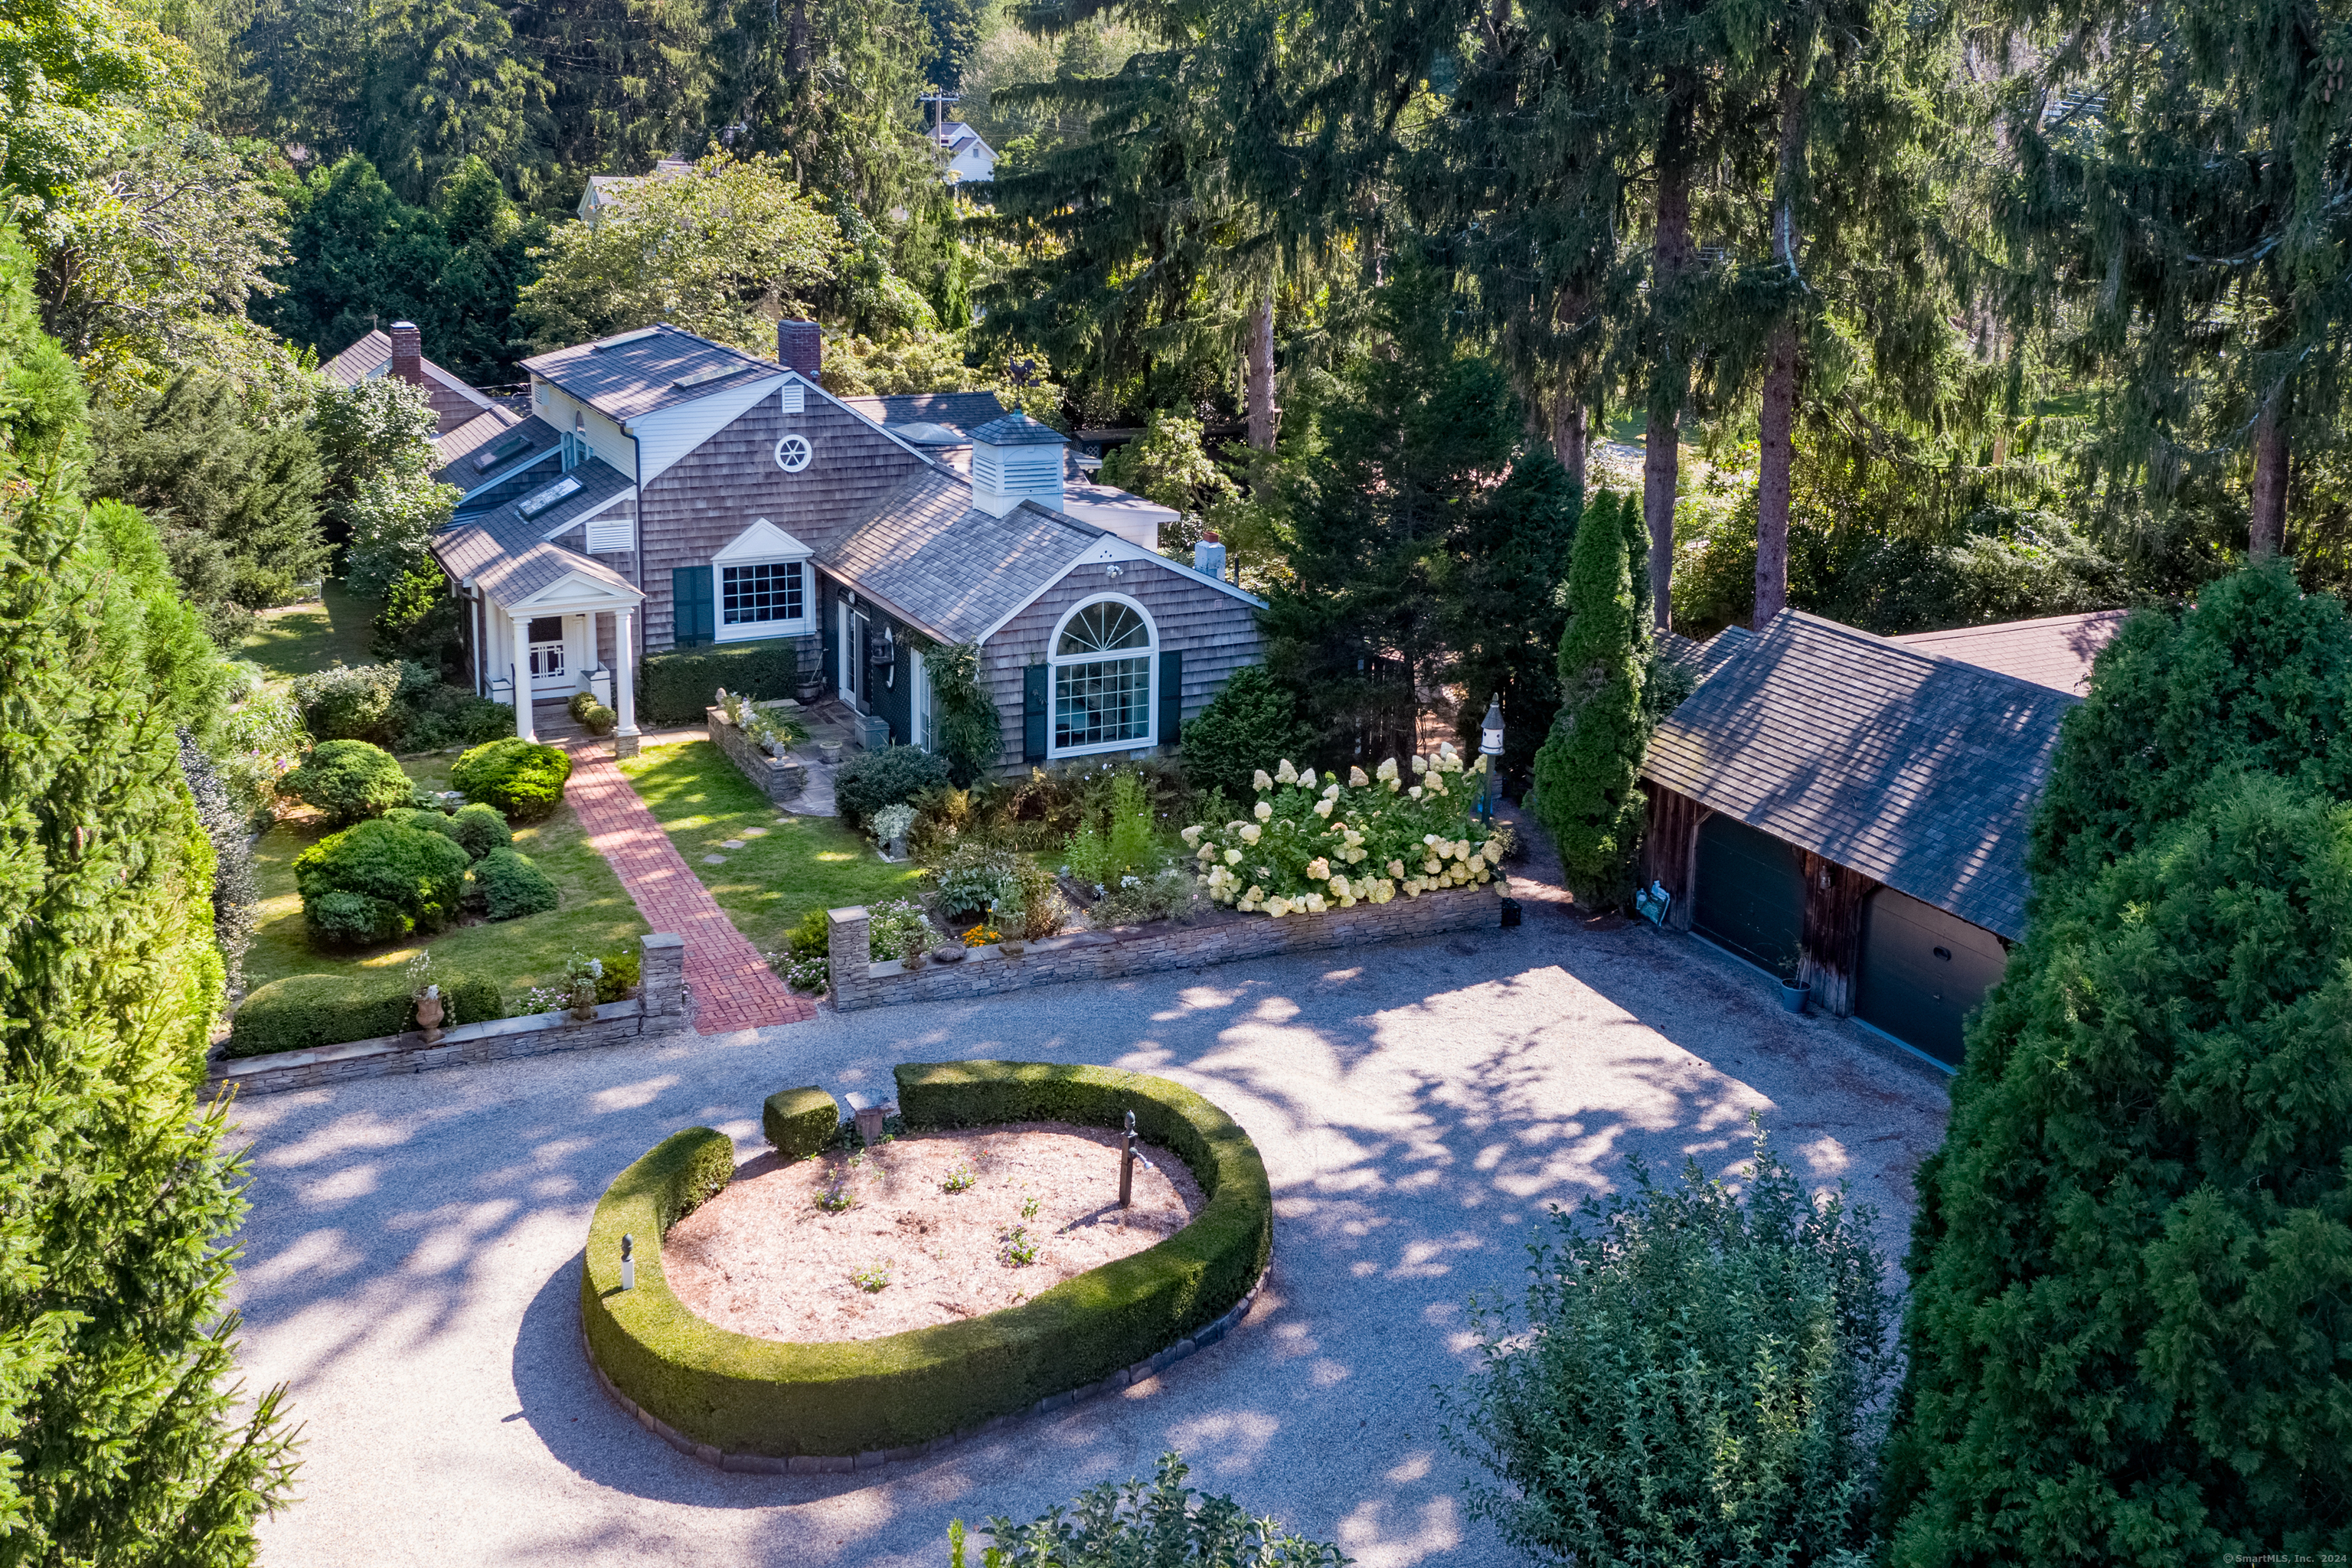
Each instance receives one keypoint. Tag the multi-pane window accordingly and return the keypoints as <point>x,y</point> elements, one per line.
<point>771,591</point>
<point>1102,678</point>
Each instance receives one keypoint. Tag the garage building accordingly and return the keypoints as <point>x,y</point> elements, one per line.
<point>1853,811</point>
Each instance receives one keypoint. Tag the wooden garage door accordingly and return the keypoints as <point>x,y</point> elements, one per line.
<point>1751,895</point>
<point>1923,972</point>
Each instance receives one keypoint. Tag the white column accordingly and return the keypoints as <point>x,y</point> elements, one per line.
<point>625,670</point>
<point>522,678</point>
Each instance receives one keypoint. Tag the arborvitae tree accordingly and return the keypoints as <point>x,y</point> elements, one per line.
<point>2127,1331</point>
<point>1503,584</point>
<point>245,481</point>
<point>2131,1305</point>
<point>1588,773</point>
<point>118,1439</point>
<point>2257,677</point>
<point>237,883</point>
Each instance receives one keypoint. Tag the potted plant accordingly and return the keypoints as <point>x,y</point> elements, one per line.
<point>430,1008</point>
<point>891,825</point>
<point>580,977</point>
<point>1794,993</point>
<point>812,678</point>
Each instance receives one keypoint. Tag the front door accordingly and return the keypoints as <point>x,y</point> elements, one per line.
<point>549,675</point>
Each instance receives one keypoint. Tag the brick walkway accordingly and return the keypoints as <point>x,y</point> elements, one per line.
<point>733,988</point>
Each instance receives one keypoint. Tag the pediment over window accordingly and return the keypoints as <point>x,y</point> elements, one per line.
<point>763,541</point>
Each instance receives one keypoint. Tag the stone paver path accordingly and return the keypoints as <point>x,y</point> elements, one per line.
<point>733,987</point>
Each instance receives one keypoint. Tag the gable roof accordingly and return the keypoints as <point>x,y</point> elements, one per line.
<point>962,412</point>
<point>949,569</point>
<point>631,374</point>
<point>1918,771</point>
<point>371,358</point>
<point>1017,429</point>
<point>1703,658</point>
<point>507,555</point>
<point>2055,651</point>
<point>484,429</point>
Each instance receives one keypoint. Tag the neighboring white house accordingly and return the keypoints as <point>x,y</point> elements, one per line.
<point>606,191</point>
<point>970,159</point>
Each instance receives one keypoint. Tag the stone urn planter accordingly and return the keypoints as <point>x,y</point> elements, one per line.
<point>1012,947</point>
<point>948,952</point>
<point>913,960</point>
<point>430,1011</point>
<point>828,752</point>
<point>583,1003</point>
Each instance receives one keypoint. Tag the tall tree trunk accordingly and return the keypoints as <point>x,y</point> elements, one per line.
<point>2267,535</point>
<point>1775,426</point>
<point>1777,422</point>
<point>1669,261</point>
<point>1568,437</point>
<point>796,41</point>
<point>1259,374</point>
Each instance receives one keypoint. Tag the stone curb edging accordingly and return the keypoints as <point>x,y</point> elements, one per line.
<point>874,1460</point>
<point>856,981</point>
<point>781,779</point>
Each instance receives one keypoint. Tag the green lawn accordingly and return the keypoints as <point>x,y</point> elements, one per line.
<point>302,638</point>
<point>595,916</point>
<point>801,863</point>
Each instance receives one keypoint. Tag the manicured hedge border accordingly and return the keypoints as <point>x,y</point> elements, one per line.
<point>799,1122</point>
<point>744,1396</point>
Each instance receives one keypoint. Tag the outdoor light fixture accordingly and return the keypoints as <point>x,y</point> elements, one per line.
<point>628,1263</point>
<point>1490,746</point>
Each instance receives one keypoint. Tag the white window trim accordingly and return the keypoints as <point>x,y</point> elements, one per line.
<point>1055,663</point>
<point>761,631</point>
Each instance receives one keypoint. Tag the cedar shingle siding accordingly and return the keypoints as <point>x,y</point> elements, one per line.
<point>1216,633</point>
<point>715,492</point>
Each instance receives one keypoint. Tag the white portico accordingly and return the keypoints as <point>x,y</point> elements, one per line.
<point>542,620</point>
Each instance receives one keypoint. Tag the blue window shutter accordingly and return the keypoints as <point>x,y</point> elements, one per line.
<point>1035,689</point>
<point>1171,695</point>
<point>693,621</point>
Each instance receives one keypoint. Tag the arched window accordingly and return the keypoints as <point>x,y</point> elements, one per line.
<point>1102,676</point>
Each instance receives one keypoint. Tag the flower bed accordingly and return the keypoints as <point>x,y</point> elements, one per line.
<point>730,1396</point>
<point>1307,847</point>
<point>781,779</point>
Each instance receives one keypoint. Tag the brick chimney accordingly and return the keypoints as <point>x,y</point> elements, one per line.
<point>800,347</point>
<point>407,354</point>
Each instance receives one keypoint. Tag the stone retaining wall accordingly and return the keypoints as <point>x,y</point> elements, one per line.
<point>658,1008</point>
<point>858,982</point>
<point>778,778</point>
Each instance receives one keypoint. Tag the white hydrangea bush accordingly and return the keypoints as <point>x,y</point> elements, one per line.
<point>1310,846</point>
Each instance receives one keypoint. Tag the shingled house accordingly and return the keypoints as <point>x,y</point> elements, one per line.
<point>400,354</point>
<point>669,492</point>
<point>1853,811</point>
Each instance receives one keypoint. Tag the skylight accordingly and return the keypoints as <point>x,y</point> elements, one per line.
<point>704,376</point>
<point>500,451</point>
<point>539,500</point>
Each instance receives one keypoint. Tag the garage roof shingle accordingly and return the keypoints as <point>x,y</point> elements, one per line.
<point>1919,771</point>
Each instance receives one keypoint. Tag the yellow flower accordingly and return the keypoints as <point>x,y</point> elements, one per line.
<point>1338,885</point>
<point>1278,908</point>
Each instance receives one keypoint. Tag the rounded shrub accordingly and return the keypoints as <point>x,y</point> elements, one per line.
<point>304,1011</point>
<point>891,776</point>
<point>1251,721</point>
<point>479,829</point>
<point>520,777</point>
<point>747,1395</point>
<point>510,885</point>
<point>349,781</point>
<point>351,703</point>
<point>377,881</point>
<point>799,1122</point>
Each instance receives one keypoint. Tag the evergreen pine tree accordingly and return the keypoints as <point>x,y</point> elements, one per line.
<point>1504,591</point>
<point>118,1443</point>
<point>1588,773</point>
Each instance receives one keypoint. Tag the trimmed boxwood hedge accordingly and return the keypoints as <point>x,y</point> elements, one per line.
<point>747,1395</point>
<point>303,1012</point>
<point>799,1122</point>
<point>680,686</point>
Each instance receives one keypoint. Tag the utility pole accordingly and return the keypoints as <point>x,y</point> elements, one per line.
<point>939,103</point>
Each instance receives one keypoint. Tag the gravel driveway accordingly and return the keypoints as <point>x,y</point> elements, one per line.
<point>411,1260</point>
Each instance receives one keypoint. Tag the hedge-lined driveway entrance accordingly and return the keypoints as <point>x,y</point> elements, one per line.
<point>411,1263</point>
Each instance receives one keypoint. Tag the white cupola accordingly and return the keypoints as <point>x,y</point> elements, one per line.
<point>1015,460</point>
